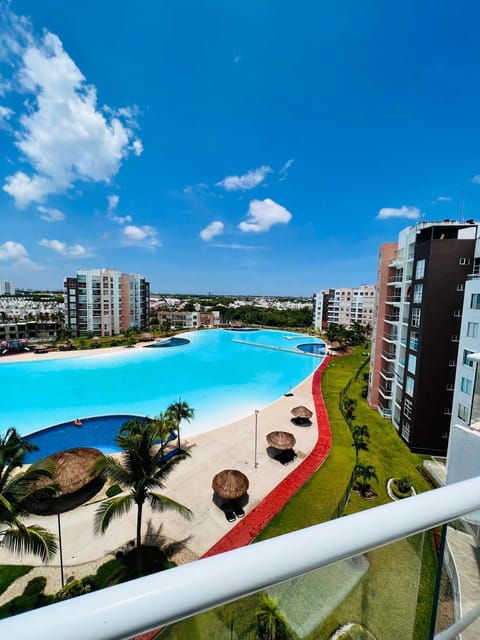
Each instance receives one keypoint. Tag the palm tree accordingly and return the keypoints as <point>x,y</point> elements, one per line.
<point>361,438</point>
<point>165,425</point>
<point>179,411</point>
<point>270,622</point>
<point>16,488</point>
<point>362,473</point>
<point>140,471</point>
<point>349,405</point>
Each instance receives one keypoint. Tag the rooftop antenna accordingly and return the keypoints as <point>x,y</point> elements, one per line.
<point>460,210</point>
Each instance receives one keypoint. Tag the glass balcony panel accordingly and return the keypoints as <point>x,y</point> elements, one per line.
<point>367,593</point>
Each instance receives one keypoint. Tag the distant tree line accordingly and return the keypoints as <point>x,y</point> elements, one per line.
<point>268,317</point>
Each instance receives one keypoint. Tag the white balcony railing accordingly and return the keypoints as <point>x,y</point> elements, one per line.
<point>163,598</point>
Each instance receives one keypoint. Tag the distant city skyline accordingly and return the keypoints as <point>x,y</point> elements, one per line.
<point>234,148</point>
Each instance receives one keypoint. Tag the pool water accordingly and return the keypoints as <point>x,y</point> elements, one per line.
<point>224,375</point>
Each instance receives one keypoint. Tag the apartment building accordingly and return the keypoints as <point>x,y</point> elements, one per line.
<point>420,298</point>
<point>344,306</point>
<point>7,287</point>
<point>105,302</point>
<point>189,319</point>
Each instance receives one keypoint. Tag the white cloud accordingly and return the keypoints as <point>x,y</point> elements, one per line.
<point>248,181</point>
<point>113,201</point>
<point>143,236</point>
<point>245,247</point>
<point>215,228</point>
<point>476,179</point>
<point>263,214</point>
<point>284,170</point>
<point>51,215</point>
<point>137,147</point>
<point>5,114</point>
<point>444,199</point>
<point>62,133</point>
<point>70,251</point>
<point>411,213</point>
<point>12,251</point>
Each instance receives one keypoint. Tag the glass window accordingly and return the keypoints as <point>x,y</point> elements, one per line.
<point>475,301</point>
<point>413,341</point>
<point>409,385</point>
<point>463,412</point>
<point>420,270</point>
<point>472,329</point>
<point>412,363</point>
<point>466,354</point>
<point>415,317</point>
<point>417,293</point>
<point>466,385</point>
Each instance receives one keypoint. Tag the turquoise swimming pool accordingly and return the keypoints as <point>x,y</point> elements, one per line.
<point>224,375</point>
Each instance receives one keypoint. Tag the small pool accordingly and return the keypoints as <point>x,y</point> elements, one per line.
<point>313,347</point>
<point>98,432</point>
<point>172,342</point>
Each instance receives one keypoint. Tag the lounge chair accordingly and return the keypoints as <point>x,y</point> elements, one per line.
<point>229,515</point>
<point>239,512</point>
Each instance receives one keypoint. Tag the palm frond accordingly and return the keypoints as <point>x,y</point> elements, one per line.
<point>110,510</point>
<point>30,539</point>
<point>163,503</point>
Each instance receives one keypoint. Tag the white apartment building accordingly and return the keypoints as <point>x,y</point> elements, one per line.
<point>105,302</point>
<point>7,287</point>
<point>344,306</point>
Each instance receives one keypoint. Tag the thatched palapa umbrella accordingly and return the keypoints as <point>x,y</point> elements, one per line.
<point>281,440</point>
<point>302,412</point>
<point>230,484</point>
<point>73,479</point>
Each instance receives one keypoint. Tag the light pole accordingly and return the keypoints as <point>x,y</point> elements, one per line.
<point>256,424</point>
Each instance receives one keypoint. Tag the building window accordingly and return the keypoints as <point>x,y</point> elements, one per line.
<point>472,329</point>
<point>466,385</point>
<point>407,408</point>
<point>464,261</point>
<point>412,363</point>
<point>405,430</point>
<point>417,293</point>
<point>413,341</point>
<point>466,360</point>
<point>463,412</point>
<point>409,386</point>
<point>420,270</point>
<point>415,317</point>
<point>475,301</point>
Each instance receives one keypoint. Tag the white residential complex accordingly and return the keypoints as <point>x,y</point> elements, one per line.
<point>7,287</point>
<point>105,302</point>
<point>344,306</point>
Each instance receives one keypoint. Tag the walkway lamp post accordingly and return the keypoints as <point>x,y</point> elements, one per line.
<point>256,432</point>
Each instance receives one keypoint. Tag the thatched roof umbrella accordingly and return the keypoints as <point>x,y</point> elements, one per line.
<point>146,337</point>
<point>230,484</point>
<point>73,478</point>
<point>281,440</point>
<point>302,412</point>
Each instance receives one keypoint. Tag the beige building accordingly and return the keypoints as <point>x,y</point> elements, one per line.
<point>344,306</point>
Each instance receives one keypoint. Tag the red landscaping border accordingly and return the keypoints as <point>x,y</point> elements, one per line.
<point>248,529</point>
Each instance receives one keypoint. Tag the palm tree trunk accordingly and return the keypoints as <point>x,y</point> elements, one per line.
<point>139,539</point>
<point>178,434</point>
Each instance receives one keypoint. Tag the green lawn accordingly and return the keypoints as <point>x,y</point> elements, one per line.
<point>11,572</point>
<point>379,597</point>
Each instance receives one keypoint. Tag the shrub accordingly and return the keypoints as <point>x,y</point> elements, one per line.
<point>404,484</point>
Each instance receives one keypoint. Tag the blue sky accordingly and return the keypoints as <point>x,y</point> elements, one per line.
<point>250,147</point>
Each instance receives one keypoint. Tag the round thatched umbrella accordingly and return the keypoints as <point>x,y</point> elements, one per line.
<point>281,440</point>
<point>73,478</point>
<point>302,412</point>
<point>230,484</point>
<point>146,337</point>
